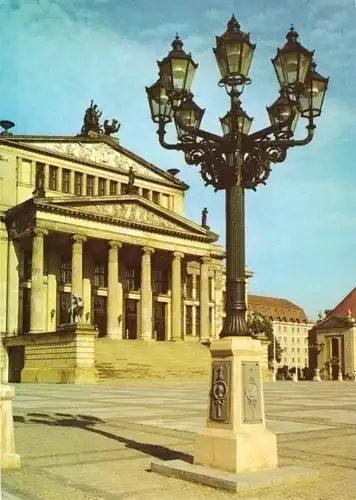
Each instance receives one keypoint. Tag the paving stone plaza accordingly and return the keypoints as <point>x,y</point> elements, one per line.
<point>98,441</point>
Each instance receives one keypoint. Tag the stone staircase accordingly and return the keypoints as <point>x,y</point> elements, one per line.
<point>134,360</point>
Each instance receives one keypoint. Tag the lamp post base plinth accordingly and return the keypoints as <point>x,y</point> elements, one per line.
<point>235,438</point>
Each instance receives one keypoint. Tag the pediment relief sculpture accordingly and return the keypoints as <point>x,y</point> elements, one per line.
<point>100,153</point>
<point>131,212</point>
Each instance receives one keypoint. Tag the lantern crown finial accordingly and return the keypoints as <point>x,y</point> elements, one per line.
<point>233,25</point>
<point>177,43</point>
<point>292,35</point>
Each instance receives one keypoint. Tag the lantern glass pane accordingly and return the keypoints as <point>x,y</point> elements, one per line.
<point>165,71</point>
<point>220,56</point>
<point>247,59</point>
<point>312,97</point>
<point>179,72</point>
<point>234,53</point>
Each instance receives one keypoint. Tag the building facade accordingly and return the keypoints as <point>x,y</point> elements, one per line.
<point>290,327</point>
<point>71,223</point>
<point>332,341</point>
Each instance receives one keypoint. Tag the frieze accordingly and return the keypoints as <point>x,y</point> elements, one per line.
<point>131,212</point>
<point>100,153</point>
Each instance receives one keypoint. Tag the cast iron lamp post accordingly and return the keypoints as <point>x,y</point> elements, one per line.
<point>237,160</point>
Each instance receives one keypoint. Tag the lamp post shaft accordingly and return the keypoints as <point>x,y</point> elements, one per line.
<point>235,320</point>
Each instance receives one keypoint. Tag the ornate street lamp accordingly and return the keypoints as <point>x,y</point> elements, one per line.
<point>236,161</point>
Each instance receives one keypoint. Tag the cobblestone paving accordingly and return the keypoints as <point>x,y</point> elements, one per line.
<point>97,442</point>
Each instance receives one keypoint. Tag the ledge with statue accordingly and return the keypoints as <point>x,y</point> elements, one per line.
<point>65,356</point>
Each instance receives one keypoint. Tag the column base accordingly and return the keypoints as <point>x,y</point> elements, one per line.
<point>235,438</point>
<point>59,375</point>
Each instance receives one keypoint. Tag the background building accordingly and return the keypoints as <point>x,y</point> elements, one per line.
<point>290,326</point>
<point>332,340</point>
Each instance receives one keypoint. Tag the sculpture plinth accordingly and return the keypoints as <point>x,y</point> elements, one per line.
<point>235,438</point>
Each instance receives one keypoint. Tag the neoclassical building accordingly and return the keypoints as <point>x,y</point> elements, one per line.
<point>332,340</point>
<point>73,221</point>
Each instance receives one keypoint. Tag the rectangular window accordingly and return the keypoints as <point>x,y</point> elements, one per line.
<point>293,360</point>
<point>53,176</point>
<point>293,349</point>
<point>100,275</point>
<point>27,264</point>
<point>65,304</point>
<point>197,287</point>
<point>211,291</point>
<point>293,340</point>
<point>188,320</point>
<point>65,181</point>
<point>101,186</point>
<point>306,361</point>
<point>66,272</point>
<point>90,185</point>
<point>113,188</point>
<point>298,340</point>
<point>26,310</point>
<point>197,320</point>
<point>224,300</point>
<point>189,286</point>
<point>132,278</point>
<point>160,281</point>
<point>145,193</point>
<point>155,197</point>
<point>284,328</point>
<point>78,183</point>
<point>292,329</point>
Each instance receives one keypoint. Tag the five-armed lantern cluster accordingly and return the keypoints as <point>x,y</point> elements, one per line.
<point>302,92</point>
<point>238,159</point>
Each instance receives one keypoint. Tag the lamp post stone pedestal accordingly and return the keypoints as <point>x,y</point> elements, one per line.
<point>235,438</point>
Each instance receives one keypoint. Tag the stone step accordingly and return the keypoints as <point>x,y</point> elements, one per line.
<point>135,359</point>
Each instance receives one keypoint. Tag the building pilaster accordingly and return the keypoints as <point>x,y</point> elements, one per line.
<point>37,305</point>
<point>176,300</point>
<point>77,265</point>
<point>146,294</point>
<point>114,300</point>
<point>204,298</point>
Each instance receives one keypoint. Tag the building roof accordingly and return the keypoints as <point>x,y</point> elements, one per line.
<point>347,304</point>
<point>277,309</point>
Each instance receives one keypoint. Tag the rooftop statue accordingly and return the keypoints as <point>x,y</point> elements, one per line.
<point>91,124</point>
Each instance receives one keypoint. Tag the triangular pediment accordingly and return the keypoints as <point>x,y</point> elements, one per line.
<point>334,321</point>
<point>103,151</point>
<point>130,209</point>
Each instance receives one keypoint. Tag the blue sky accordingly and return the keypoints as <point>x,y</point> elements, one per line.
<point>57,55</point>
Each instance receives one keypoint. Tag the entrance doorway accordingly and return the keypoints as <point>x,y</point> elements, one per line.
<point>160,321</point>
<point>131,319</point>
<point>100,317</point>
<point>16,363</point>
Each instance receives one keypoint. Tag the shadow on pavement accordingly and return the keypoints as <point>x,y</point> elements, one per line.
<point>86,422</point>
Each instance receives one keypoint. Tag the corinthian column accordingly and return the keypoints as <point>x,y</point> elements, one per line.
<point>114,300</point>
<point>176,300</point>
<point>146,294</point>
<point>204,297</point>
<point>77,265</point>
<point>38,305</point>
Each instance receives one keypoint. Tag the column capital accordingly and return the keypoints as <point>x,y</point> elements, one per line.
<point>147,250</point>
<point>78,238</point>
<point>205,260</point>
<point>178,255</point>
<point>114,244</point>
<point>39,231</point>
